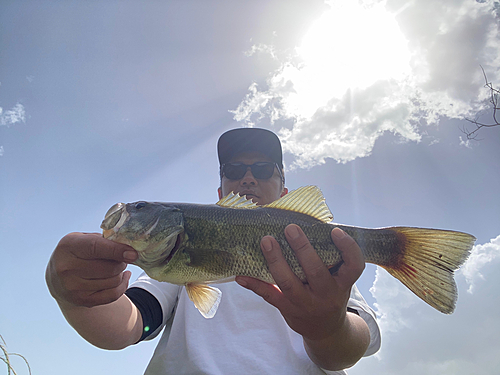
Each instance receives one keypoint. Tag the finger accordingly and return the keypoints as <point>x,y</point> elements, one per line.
<point>76,284</point>
<point>102,297</point>
<point>270,293</point>
<point>282,274</point>
<point>97,269</point>
<point>94,246</point>
<point>354,262</point>
<point>318,277</point>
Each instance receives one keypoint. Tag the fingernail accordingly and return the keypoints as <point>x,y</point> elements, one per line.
<point>292,232</point>
<point>266,244</point>
<point>242,282</point>
<point>338,233</point>
<point>129,255</point>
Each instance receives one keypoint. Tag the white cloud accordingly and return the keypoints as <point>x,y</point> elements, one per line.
<point>262,48</point>
<point>480,257</point>
<point>13,116</point>
<point>416,339</point>
<point>347,83</point>
<point>465,142</point>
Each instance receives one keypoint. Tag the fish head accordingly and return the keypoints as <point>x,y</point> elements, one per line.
<point>154,230</point>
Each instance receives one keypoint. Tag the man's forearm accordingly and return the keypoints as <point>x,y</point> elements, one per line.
<point>344,348</point>
<point>112,326</point>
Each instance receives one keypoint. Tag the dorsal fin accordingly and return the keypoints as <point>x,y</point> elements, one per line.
<point>236,201</point>
<point>307,200</point>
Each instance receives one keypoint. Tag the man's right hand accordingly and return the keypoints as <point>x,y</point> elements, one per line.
<point>88,270</point>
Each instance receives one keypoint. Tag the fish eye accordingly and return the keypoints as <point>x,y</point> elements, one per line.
<point>140,205</point>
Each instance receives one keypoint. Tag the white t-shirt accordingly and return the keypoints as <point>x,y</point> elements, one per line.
<point>247,335</point>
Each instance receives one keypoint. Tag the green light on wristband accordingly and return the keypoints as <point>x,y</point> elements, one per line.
<point>146,329</point>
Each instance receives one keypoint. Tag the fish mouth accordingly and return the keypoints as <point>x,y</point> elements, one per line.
<point>113,220</point>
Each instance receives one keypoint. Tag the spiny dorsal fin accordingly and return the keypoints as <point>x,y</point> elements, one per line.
<point>307,200</point>
<point>236,201</point>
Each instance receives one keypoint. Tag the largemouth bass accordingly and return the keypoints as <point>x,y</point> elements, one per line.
<point>195,245</point>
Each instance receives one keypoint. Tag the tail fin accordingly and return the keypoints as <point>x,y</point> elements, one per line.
<point>427,266</point>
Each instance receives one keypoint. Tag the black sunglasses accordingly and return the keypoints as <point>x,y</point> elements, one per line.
<point>261,170</point>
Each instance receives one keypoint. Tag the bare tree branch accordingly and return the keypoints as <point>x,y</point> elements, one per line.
<point>494,96</point>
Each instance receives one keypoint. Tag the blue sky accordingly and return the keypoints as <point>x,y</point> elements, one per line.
<point>114,101</point>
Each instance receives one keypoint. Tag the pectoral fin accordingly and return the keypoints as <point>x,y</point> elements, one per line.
<point>205,298</point>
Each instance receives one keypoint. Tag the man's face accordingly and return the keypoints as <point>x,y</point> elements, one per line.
<point>259,191</point>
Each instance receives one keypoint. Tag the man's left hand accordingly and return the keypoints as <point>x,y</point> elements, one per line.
<point>317,310</point>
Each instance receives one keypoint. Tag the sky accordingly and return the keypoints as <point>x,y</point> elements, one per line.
<point>119,101</point>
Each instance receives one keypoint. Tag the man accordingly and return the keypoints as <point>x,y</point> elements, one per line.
<point>322,326</point>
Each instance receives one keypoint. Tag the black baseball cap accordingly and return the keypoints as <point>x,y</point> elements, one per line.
<point>240,140</point>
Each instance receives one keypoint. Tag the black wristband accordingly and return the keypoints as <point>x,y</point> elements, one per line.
<point>351,310</point>
<point>149,307</point>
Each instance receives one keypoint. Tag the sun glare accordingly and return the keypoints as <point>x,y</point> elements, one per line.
<point>350,46</point>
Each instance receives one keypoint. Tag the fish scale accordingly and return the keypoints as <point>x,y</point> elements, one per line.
<point>238,234</point>
<point>195,245</point>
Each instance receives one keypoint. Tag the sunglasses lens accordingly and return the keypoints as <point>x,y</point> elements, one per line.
<point>263,171</point>
<point>234,171</point>
<point>260,170</point>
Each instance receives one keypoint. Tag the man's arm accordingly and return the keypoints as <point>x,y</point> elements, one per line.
<point>333,338</point>
<point>86,277</point>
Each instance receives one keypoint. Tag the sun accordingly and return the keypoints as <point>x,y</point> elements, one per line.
<point>350,46</point>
